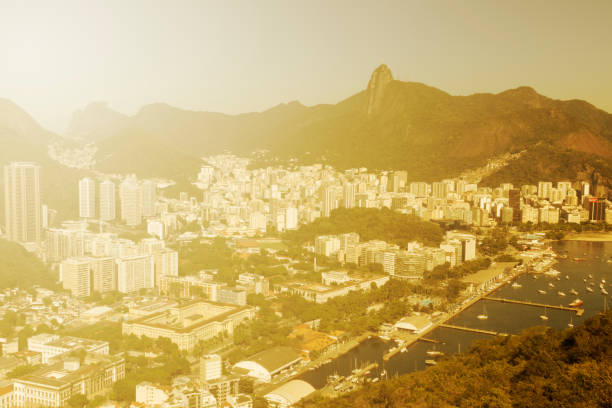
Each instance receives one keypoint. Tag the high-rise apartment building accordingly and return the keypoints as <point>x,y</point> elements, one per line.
<point>349,195</point>
<point>22,202</point>
<point>75,274</point>
<point>87,198</point>
<point>131,201</point>
<point>107,201</point>
<point>149,197</point>
<point>103,277</point>
<point>514,201</point>
<point>135,273</point>
<point>328,201</point>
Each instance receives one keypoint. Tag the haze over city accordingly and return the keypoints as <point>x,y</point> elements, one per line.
<point>305,205</point>
<point>242,56</point>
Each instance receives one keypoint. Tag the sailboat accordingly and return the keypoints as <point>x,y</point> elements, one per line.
<point>544,316</point>
<point>434,352</point>
<point>571,323</point>
<point>484,315</point>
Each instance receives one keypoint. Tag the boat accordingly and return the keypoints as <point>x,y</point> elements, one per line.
<point>573,291</point>
<point>584,280</point>
<point>516,285</point>
<point>603,281</point>
<point>552,285</point>
<point>560,293</point>
<point>603,291</point>
<point>567,277</point>
<point>544,316</point>
<point>589,289</point>
<point>430,362</point>
<point>571,323</point>
<point>434,353</point>
<point>577,259</point>
<point>576,303</point>
<point>483,316</point>
<point>541,292</point>
<point>590,276</point>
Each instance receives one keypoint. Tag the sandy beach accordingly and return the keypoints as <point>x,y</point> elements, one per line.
<point>589,236</point>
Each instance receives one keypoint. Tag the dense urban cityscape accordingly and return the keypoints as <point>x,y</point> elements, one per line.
<point>280,204</point>
<point>141,275</point>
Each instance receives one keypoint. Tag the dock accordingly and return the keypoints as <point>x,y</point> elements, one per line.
<point>578,311</point>
<point>473,330</point>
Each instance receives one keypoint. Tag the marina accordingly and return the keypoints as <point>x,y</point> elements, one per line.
<point>510,308</point>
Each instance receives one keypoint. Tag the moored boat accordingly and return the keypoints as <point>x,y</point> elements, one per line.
<point>577,302</point>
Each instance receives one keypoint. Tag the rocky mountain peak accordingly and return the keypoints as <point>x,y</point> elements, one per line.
<point>378,81</point>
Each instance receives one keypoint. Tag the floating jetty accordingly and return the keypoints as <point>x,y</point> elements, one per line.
<point>579,312</point>
<point>473,330</point>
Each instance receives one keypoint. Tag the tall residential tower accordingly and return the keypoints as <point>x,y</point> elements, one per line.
<point>22,202</point>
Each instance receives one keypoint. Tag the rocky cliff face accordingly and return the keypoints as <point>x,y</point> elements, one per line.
<point>376,87</point>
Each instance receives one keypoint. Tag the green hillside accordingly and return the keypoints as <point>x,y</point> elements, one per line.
<point>20,268</point>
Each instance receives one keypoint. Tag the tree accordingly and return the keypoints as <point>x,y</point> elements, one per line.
<point>78,401</point>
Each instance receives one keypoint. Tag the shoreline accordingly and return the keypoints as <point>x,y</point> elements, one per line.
<point>592,236</point>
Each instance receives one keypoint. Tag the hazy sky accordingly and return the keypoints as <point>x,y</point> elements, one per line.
<point>236,56</point>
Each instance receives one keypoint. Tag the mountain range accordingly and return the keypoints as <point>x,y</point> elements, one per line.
<point>388,125</point>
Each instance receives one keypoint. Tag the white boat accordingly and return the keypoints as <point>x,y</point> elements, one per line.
<point>544,316</point>
<point>573,291</point>
<point>567,277</point>
<point>516,285</point>
<point>483,316</point>
<point>590,276</point>
<point>552,285</point>
<point>541,292</point>
<point>434,353</point>
<point>430,362</point>
<point>603,281</point>
<point>603,291</point>
<point>560,293</point>
<point>589,289</point>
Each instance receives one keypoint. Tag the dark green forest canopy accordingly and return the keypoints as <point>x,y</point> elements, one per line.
<point>370,223</point>
<point>539,368</point>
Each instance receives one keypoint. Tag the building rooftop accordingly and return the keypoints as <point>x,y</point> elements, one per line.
<point>293,391</point>
<point>275,358</point>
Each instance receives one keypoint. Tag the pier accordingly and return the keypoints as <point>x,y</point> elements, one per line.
<point>578,311</point>
<point>470,329</point>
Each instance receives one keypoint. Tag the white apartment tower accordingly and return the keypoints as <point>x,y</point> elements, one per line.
<point>75,274</point>
<point>149,197</point>
<point>107,201</point>
<point>87,198</point>
<point>131,201</point>
<point>22,202</point>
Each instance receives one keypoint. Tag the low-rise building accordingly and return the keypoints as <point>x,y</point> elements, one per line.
<point>186,325</point>
<point>270,363</point>
<point>52,386</point>
<point>288,394</point>
<point>51,345</point>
